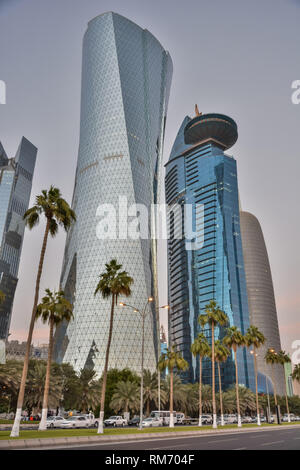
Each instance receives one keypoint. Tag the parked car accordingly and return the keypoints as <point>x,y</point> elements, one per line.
<point>246,419</point>
<point>151,422</point>
<point>134,421</point>
<point>54,421</point>
<point>75,422</point>
<point>207,419</point>
<point>230,419</point>
<point>115,421</point>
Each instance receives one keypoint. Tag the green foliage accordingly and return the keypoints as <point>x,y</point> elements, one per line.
<point>113,281</point>
<point>55,307</point>
<point>114,376</point>
<point>172,359</point>
<point>126,397</point>
<point>88,396</point>
<point>213,315</point>
<point>54,208</point>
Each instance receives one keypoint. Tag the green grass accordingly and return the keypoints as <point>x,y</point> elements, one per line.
<point>10,421</point>
<point>112,431</point>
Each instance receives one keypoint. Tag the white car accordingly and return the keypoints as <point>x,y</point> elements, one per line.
<point>150,422</point>
<point>75,422</point>
<point>206,419</point>
<point>115,421</point>
<point>54,421</point>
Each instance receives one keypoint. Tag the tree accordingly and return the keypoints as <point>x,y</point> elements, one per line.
<point>296,373</point>
<point>35,386</point>
<point>213,317</point>
<point>221,355</point>
<point>113,282</point>
<point>256,339</point>
<point>201,348</point>
<point>179,391</point>
<point>284,358</point>
<point>126,397</point>
<point>151,391</point>
<point>89,391</point>
<point>57,212</point>
<point>171,360</point>
<point>54,309</point>
<point>234,339</point>
<point>247,402</point>
<point>272,359</point>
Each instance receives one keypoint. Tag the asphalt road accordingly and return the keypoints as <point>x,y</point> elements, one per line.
<point>282,439</point>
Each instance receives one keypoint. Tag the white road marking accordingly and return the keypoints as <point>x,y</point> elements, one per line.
<point>271,443</point>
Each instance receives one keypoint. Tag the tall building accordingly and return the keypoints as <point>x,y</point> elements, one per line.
<point>15,187</point>
<point>262,306</point>
<point>207,264</point>
<point>126,76</point>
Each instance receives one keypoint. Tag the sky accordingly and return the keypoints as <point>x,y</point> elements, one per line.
<point>237,57</point>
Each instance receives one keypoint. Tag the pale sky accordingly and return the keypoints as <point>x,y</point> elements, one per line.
<point>237,57</point>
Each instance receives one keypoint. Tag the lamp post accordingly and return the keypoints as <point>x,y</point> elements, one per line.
<point>143,314</point>
<point>166,307</point>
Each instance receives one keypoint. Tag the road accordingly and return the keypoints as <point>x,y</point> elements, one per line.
<point>281,439</point>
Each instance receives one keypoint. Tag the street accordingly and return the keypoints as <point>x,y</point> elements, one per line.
<point>279,439</point>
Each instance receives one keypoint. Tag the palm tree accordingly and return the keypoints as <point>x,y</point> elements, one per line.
<point>272,359</point>
<point>57,212</point>
<point>89,391</point>
<point>113,282</point>
<point>221,355</point>
<point>234,339</point>
<point>201,348</point>
<point>179,391</point>
<point>126,396</point>
<point>170,360</point>
<point>54,309</point>
<point>256,339</point>
<point>213,316</point>
<point>296,373</point>
<point>150,387</point>
<point>284,358</point>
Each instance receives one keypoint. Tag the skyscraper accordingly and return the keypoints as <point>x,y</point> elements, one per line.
<point>261,297</point>
<point>208,264</point>
<point>126,76</point>
<point>15,187</point>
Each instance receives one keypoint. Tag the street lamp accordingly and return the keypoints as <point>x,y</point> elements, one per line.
<point>166,307</point>
<point>143,314</point>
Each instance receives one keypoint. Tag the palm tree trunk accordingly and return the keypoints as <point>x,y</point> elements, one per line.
<point>287,402</point>
<point>103,390</point>
<point>200,391</point>
<point>274,386</point>
<point>16,426</point>
<point>256,388</point>
<point>148,407</point>
<point>213,375</point>
<point>237,389</point>
<point>171,399</point>
<point>43,422</point>
<point>221,397</point>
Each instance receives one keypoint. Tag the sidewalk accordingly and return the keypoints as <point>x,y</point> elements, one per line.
<point>62,441</point>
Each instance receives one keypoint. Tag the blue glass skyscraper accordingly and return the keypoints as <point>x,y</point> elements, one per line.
<point>199,173</point>
<point>15,187</point>
<point>126,77</point>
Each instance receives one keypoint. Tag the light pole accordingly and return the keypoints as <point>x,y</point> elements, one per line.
<point>166,307</point>
<point>143,314</point>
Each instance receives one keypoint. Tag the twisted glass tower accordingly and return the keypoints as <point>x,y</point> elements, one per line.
<point>126,76</point>
<point>199,173</point>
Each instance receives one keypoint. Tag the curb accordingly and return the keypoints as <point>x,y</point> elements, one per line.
<point>61,441</point>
